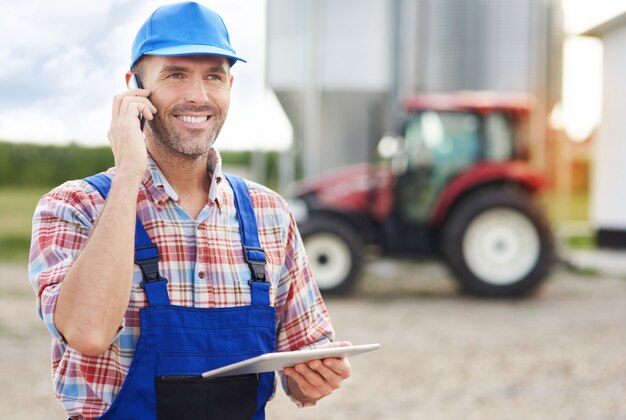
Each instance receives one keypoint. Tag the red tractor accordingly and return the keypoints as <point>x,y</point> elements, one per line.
<point>456,184</point>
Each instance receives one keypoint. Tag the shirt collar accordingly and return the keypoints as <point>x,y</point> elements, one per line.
<point>161,190</point>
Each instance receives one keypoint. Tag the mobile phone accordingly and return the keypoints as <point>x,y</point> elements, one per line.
<point>135,83</point>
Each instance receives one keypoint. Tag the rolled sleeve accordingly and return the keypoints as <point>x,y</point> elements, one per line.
<point>304,319</point>
<point>62,222</point>
<point>47,296</point>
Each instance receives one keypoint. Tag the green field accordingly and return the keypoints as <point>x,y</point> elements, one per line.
<point>17,206</point>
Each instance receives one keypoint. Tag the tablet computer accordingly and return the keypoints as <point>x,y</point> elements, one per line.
<point>269,362</point>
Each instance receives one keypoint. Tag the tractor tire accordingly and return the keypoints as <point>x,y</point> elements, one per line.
<point>498,243</point>
<point>334,251</point>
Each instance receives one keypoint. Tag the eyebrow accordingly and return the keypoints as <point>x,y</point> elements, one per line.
<point>173,68</point>
<point>213,69</point>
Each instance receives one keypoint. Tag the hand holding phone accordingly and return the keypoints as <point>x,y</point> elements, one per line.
<point>135,83</point>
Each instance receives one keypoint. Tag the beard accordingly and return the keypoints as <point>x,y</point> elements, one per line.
<point>185,144</point>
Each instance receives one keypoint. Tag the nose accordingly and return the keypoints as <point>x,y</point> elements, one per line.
<point>196,91</point>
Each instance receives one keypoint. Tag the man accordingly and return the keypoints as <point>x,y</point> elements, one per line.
<point>130,340</point>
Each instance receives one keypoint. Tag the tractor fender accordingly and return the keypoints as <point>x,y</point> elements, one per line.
<point>482,174</point>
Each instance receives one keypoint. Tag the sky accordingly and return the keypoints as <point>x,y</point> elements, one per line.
<point>64,60</point>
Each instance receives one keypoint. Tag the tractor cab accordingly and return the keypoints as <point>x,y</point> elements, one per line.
<point>445,135</point>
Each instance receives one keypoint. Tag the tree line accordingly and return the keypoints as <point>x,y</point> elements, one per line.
<point>33,165</point>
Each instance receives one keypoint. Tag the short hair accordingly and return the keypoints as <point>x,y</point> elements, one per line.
<point>138,69</point>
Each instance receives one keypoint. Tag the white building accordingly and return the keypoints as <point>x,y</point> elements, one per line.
<point>608,179</point>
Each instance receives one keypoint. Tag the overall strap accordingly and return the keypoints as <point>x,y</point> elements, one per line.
<point>146,253</point>
<point>252,251</point>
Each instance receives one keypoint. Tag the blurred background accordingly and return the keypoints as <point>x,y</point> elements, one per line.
<point>435,152</point>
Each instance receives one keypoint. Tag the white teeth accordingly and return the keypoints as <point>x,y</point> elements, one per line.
<point>194,120</point>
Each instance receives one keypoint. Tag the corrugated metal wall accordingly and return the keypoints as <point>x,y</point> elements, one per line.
<point>481,44</point>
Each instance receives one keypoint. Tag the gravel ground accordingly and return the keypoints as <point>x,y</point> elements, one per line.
<point>557,355</point>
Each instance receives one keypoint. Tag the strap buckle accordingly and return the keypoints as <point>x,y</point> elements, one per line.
<point>255,257</point>
<point>147,258</point>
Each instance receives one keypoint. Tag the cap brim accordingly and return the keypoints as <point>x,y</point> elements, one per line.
<point>181,50</point>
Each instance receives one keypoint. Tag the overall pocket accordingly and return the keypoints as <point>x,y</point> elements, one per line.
<point>195,397</point>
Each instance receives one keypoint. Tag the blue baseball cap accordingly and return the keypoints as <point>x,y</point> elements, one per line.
<point>183,29</point>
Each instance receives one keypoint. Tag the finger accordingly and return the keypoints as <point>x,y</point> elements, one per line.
<point>339,366</point>
<point>117,103</point>
<point>311,384</point>
<point>132,115</point>
<point>117,99</point>
<point>327,371</point>
<point>330,378</point>
<point>129,100</point>
<point>308,390</point>
<point>140,92</point>
<point>140,108</point>
<point>133,106</point>
<point>316,384</point>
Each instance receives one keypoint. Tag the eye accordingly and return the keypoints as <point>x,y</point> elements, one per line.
<point>215,77</point>
<point>175,76</point>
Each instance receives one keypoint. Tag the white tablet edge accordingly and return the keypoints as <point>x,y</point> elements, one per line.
<point>277,361</point>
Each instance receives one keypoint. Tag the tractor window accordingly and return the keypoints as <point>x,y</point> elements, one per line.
<point>442,139</point>
<point>498,138</point>
<point>438,145</point>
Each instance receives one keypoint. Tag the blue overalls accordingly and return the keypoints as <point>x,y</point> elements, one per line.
<point>178,343</point>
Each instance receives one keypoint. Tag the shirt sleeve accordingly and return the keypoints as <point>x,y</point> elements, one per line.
<point>304,322</point>
<point>62,222</point>
<point>303,318</point>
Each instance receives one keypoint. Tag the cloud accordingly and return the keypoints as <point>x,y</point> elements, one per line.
<point>56,77</point>
<point>54,49</point>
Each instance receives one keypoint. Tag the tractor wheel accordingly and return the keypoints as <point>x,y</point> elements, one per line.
<point>334,251</point>
<point>498,243</point>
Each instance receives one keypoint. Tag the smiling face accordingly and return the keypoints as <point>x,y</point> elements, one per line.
<point>192,96</point>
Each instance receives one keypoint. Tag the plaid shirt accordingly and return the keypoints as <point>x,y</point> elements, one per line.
<point>202,259</point>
